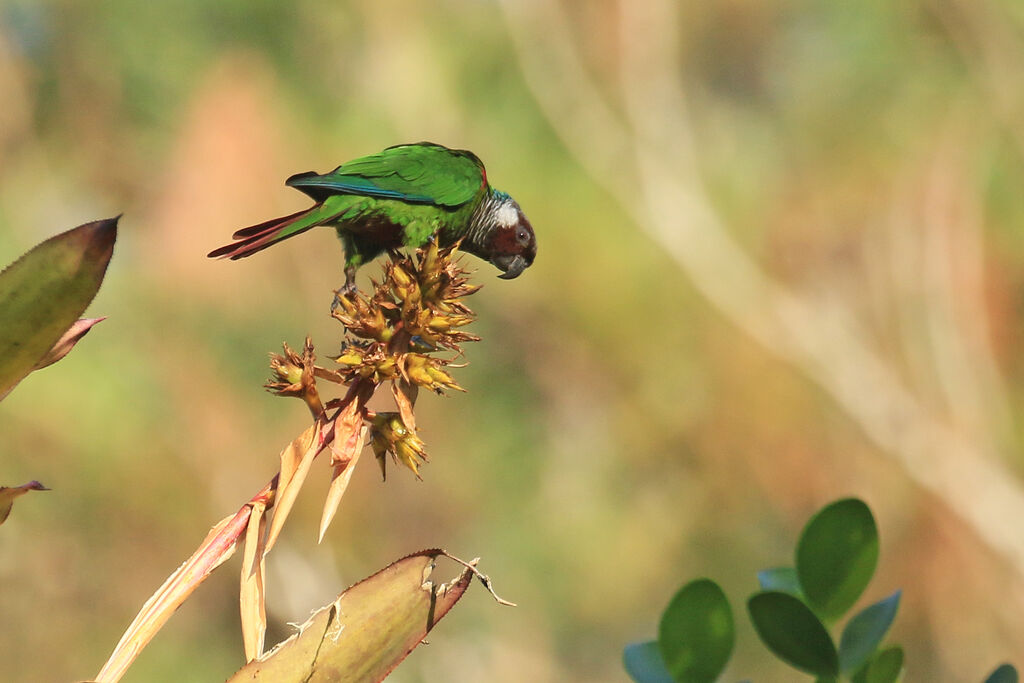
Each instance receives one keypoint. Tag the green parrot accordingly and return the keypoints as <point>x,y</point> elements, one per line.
<point>403,197</point>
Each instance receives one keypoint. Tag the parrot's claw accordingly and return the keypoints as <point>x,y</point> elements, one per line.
<point>348,290</point>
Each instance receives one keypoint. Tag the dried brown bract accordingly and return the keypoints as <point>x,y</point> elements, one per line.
<point>294,376</point>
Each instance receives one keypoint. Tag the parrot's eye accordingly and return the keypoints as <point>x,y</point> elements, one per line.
<point>522,236</point>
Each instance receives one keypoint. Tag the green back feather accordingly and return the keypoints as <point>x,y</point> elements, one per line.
<point>422,173</point>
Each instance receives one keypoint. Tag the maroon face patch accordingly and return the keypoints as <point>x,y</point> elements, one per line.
<point>515,240</point>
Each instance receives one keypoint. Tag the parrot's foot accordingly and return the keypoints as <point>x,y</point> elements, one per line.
<point>348,290</point>
<point>345,292</point>
<point>350,280</point>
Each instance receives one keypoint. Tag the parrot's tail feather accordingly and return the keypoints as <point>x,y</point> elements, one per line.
<point>258,237</point>
<point>260,227</point>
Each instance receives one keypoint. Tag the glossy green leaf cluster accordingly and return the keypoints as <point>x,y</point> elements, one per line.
<point>793,613</point>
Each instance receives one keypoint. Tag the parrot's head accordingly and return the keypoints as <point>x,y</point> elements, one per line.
<point>509,243</point>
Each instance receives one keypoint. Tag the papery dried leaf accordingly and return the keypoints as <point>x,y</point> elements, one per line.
<point>67,341</point>
<point>252,592</point>
<point>218,546</point>
<point>296,460</point>
<point>340,478</point>
<point>329,375</point>
<point>364,634</point>
<point>9,493</point>
<point>405,398</point>
<point>347,427</point>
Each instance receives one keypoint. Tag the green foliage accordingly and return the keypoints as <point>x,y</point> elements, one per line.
<point>792,631</point>
<point>696,634</point>
<point>865,631</point>
<point>1005,673</point>
<point>644,664</point>
<point>883,667</point>
<point>836,557</point>
<point>779,579</point>
<point>43,293</point>
<point>695,638</point>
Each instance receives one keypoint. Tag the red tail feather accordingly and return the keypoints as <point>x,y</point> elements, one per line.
<point>260,227</point>
<point>257,237</point>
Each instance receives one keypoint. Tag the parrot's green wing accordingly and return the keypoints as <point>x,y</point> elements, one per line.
<point>422,173</point>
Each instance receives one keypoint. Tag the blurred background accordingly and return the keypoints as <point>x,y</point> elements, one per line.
<point>780,262</point>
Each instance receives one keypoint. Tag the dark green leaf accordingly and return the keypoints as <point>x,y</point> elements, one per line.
<point>865,631</point>
<point>793,632</point>
<point>836,556</point>
<point>45,291</point>
<point>696,633</point>
<point>644,664</point>
<point>884,667</point>
<point>1005,673</point>
<point>779,579</point>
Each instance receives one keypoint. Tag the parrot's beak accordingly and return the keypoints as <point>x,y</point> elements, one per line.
<point>513,267</point>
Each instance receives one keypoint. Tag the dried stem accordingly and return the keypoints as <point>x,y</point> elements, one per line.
<point>417,305</point>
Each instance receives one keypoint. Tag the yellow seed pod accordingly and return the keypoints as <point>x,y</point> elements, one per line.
<point>415,360</point>
<point>399,276</point>
<point>440,376</point>
<point>396,425</point>
<point>350,358</point>
<point>439,324</point>
<point>418,375</point>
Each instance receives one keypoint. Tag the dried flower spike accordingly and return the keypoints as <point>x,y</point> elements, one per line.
<point>392,335</point>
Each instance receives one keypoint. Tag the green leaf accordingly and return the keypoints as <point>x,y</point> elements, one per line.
<point>696,634</point>
<point>45,291</point>
<point>779,579</point>
<point>836,556</point>
<point>793,632</point>
<point>364,634</point>
<point>644,664</point>
<point>884,667</point>
<point>865,631</point>
<point>1005,673</point>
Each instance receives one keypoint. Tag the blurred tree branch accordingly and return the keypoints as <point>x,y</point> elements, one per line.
<point>640,148</point>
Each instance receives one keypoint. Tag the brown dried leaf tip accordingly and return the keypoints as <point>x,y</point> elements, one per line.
<point>294,376</point>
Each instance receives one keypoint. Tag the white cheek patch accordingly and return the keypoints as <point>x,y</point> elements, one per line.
<point>507,215</point>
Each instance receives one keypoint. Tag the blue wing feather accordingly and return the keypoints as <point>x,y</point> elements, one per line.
<point>421,173</point>
<point>319,187</point>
